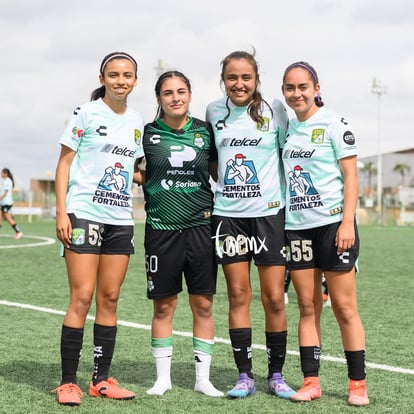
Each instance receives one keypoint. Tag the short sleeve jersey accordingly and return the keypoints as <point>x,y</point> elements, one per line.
<point>7,186</point>
<point>311,154</point>
<point>101,174</point>
<point>177,188</point>
<point>250,182</point>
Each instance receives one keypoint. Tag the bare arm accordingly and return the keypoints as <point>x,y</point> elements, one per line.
<point>63,225</point>
<point>345,236</point>
<point>139,171</point>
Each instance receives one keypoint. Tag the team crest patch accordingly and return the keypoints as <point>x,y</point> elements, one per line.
<point>265,126</point>
<point>78,237</point>
<point>318,136</point>
<point>137,136</point>
<point>198,140</point>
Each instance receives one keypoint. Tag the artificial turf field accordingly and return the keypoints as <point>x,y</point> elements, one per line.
<point>34,296</point>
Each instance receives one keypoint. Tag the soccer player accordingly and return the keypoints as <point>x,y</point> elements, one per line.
<point>321,229</point>
<point>6,201</point>
<point>94,220</point>
<point>179,153</point>
<point>249,215</point>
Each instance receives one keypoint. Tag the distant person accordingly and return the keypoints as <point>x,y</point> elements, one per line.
<point>94,221</point>
<point>179,155</point>
<point>249,216</point>
<point>6,201</point>
<point>321,230</point>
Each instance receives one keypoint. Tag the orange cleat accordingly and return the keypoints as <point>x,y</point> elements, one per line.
<point>311,390</point>
<point>110,389</point>
<point>68,394</point>
<point>358,394</point>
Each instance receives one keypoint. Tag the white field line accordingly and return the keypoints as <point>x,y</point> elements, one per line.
<point>44,241</point>
<point>218,340</point>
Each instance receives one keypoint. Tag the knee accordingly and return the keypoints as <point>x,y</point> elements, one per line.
<point>108,300</point>
<point>203,310</point>
<point>239,297</point>
<point>81,302</point>
<point>344,314</point>
<point>307,308</point>
<point>163,311</point>
<point>273,303</point>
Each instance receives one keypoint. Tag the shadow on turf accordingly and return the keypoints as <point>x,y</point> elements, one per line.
<point>46,377</point>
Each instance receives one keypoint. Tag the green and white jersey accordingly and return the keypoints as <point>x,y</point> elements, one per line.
<point>7,185</point>
<point>106,146</point>
<point>250,182</point>
<point>177,189</point>
<point>311,154</point>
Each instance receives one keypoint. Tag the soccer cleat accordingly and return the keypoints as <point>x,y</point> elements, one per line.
<point>277,386</point>
<point>358,394</point>
<point>110,389</point>
<point>310,390</point>
<point>68,394</point>
<point>324,296</point>
<point>18,235</point>
<point>243,388</point>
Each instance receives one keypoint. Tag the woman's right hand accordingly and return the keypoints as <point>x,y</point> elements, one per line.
<point>64,229</point>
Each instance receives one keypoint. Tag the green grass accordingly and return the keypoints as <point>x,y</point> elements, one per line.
<point>29,339</point>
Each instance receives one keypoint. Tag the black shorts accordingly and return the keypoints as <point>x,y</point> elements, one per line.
<point>171,253</point>
<point>315,248</point>
<point>92,237</point>
<point>243,239</point>
<point>6,208</point>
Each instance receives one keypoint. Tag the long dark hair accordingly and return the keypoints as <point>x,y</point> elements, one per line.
<point>100,92</point>
<point>255,108</point>
<point>312,73</point>
<point>9,174</point>
<point>158,85</point>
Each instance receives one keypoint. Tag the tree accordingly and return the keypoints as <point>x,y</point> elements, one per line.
<point>369,169</point>
<point>402,168</point>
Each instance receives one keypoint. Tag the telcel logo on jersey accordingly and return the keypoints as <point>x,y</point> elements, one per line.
<point>237,142</point>
<point>114,149</point>
<point>298,154</point>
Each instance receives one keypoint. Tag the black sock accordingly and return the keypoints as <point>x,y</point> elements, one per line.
<point>276,351</point>
<point>241,342</point>
<point>310,360</point>
<point>103,350</point>
<point>356,364</point>
<point>70,352</point>
<point>16,228</point>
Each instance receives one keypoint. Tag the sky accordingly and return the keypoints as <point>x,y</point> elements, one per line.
<point>51,52</point>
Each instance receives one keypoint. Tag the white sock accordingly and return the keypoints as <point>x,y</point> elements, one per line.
<point>163,366</point>
<point>202,366</point>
